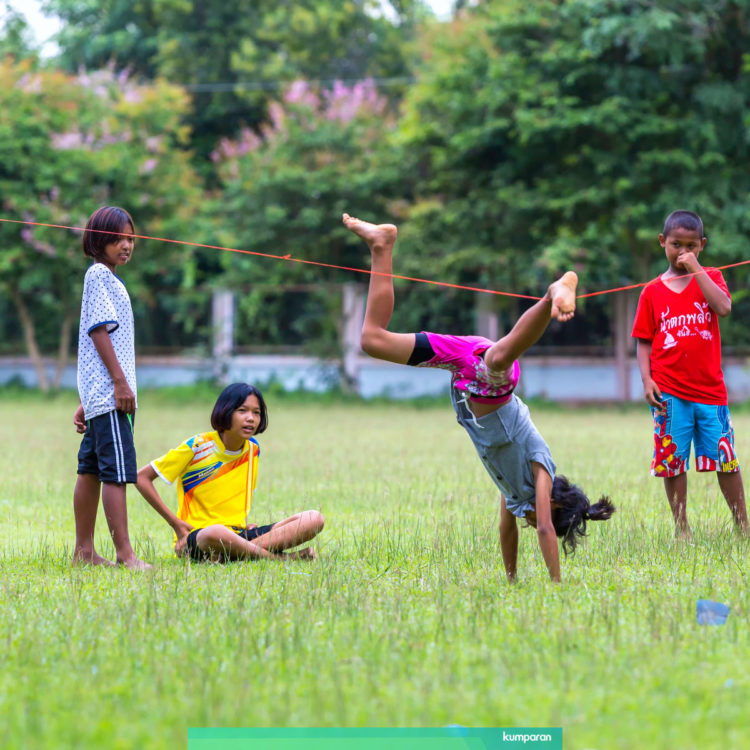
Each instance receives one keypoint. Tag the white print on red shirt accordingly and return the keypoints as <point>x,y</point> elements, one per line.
<point>683,322</point>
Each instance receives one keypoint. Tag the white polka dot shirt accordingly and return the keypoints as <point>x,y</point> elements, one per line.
<point>105,302</point>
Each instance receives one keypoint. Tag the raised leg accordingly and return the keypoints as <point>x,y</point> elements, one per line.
<point>558,303</point>
<point>734,493</point>
<point>377,340</point>
<point>676,489</point>
<point>85,506</point>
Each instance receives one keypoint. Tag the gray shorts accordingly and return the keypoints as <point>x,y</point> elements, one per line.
<point>507,441</point>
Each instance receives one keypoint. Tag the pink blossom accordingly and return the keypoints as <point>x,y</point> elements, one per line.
<point>229,149</point>
<point>301,93</point>
<point>31,84</point>
<point>343,104</point>
<point>27,235</point>
<point>148,166</point>
<point>66,141</point>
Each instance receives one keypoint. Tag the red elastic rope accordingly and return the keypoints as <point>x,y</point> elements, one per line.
<point>349,268</point>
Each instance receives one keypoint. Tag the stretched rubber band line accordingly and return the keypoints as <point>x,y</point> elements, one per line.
<point>349,268</point>
<point>277,257</point>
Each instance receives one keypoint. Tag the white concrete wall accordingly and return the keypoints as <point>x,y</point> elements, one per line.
<point>553,378</point>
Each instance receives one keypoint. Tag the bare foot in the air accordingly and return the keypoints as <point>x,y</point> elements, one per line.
<point>377,236</point>
<point>81,558</point>
<point>563,296</point>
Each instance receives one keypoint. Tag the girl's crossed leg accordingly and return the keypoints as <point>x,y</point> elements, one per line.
<point>220,542</point>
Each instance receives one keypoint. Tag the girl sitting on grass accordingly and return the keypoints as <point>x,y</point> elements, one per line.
<point>484,376</point>
<point>216,473</point>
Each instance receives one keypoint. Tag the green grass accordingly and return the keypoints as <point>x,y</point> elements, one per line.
<point>406,620</point>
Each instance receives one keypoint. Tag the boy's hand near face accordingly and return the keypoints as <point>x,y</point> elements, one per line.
<point>689,261</point>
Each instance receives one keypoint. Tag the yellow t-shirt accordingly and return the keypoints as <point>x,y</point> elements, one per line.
<point>214,485</point>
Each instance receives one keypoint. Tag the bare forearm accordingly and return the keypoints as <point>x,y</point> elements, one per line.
<point>717,299</point>
<point>146,488</point>
<point>643,354</point>
<point>509,549</point>
<point>550,551</point>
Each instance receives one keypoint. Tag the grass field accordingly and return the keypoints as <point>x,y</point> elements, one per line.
<point>406,619</point>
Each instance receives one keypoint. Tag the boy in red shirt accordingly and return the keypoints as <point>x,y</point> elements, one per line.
<point>679,356</point>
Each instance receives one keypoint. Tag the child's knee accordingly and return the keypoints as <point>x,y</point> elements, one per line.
<point>314,520</point>
<point>497,359</point>
<point>371,340</point>
<point>210,536</point>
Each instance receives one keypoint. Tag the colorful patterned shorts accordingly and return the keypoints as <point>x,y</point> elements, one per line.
<point>678,424</point>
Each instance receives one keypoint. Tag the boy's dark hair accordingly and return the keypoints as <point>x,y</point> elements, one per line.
<point>230,399</point>
<point>103,220</point>
<point>575,509</point>
<point>683,220</point>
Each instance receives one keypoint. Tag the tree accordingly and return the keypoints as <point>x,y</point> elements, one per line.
<point>283,192</point>
<point>544,134</point>
<point>70,144</point>
<point>16,40</point>
<point>236,56</point>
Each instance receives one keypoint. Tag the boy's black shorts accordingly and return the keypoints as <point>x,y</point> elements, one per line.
<point>107,450</point>
<point>197,554</point>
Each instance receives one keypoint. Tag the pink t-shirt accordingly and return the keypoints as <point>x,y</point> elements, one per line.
<point>685,341</point>
<point>463,356</point>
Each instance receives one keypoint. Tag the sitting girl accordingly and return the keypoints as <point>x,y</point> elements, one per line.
<point>216,473</point>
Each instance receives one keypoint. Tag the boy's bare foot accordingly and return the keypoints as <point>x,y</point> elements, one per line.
<point>683,534</point>
<point>563,295</point>
<point>134,563</point>
<point>80,558</point>
<point>377,236</point>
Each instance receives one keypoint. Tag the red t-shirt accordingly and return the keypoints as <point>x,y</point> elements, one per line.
<point>685,341</point>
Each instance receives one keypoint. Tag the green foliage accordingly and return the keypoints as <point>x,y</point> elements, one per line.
<point>283,193</point>
<point>71,144</point>
<point>217,44</point>
<point>16,38</point>
<point>544,134</point>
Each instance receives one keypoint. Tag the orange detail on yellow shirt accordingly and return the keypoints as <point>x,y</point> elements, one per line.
<point>214,485</point>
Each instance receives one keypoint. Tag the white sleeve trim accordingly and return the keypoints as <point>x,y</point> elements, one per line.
<point>159,474</point>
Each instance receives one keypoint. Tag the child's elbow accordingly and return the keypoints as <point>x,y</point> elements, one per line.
<point>144,476</point>
<point>545,530</point>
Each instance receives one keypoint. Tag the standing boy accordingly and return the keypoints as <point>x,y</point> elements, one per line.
<point>679,356</point>
<point>106,385</point>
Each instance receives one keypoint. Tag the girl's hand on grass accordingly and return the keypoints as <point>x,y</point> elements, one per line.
<point>182,529</point>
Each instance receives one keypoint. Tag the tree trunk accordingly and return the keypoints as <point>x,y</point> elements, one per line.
<point>29,337</point>
<point>64,349</point>
<point>352,317</point>
<point>222,318</point>
<point>622,307</point>
<point>487,320</point>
